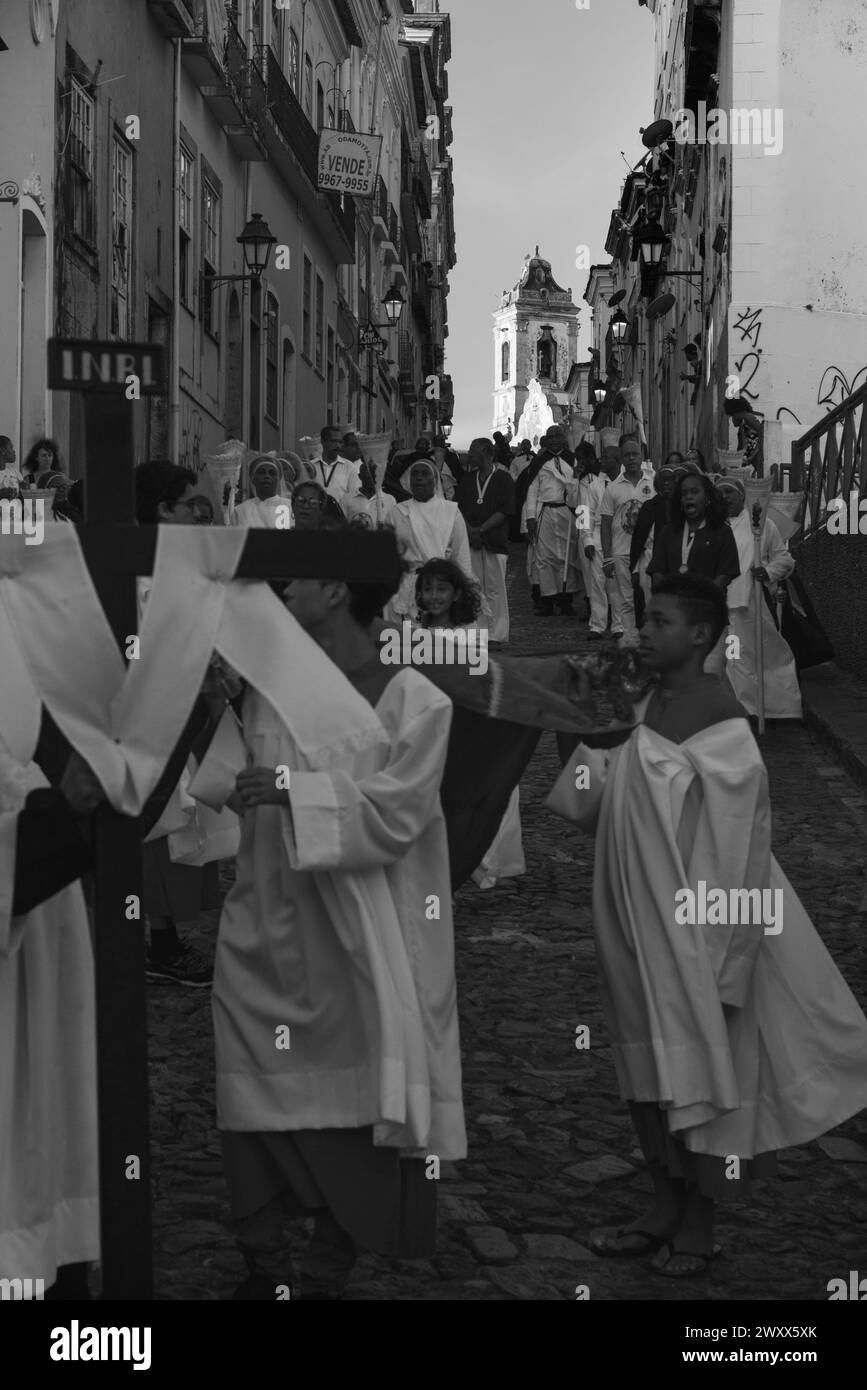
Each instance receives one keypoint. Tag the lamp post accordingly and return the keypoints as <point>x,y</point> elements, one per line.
<point>369,337</point>
<point>256,240</point>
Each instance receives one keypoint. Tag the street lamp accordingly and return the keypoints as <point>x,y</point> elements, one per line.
<point>652,242</point>
<point>256,241</point>
<point>446,429</point>
<point>599,391</point>
<point>394,302</point>
<point>619,325</point>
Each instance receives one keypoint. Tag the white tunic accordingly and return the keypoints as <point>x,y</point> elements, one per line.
<point>270,513</point>
<point>49,1204</point>
<point>339,929</point>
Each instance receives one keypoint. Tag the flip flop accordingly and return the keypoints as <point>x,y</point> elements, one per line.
<point>601,1242</point>
<point>667,1253</point>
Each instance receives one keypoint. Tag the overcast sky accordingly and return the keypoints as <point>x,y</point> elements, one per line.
<point>545,96</point>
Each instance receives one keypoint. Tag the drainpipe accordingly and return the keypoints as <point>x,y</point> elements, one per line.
<point>175,383</point>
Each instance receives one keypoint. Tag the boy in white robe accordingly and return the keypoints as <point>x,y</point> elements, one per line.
<point>730,1040</point>
<point>335,1015</point>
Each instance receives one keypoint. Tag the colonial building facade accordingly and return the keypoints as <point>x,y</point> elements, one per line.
<point>758,299</point>
<point>138,144</point>
<point>535,335</point>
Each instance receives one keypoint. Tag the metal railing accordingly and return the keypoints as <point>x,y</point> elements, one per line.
<point>830,460</point>
<point>291,119</point>
<point>423,186</point>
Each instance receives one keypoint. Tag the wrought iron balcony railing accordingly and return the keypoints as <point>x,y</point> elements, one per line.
<point>830,461</point>
<point>291,119</point>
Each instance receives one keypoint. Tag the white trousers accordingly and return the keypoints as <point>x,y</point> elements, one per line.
<point>489,571</point>
<point>596,590</point>
<point>623,602</point>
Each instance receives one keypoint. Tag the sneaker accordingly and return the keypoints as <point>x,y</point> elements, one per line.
<point>183,967</point>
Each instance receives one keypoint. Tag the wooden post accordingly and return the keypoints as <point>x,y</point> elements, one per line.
<point>119,938</point>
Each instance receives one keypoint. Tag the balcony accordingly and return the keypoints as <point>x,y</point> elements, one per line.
<point>420,298</point>
<point>231,85</point>
<point>290,119</point>
<point>380,212</point>
<point>422,187</point>
<point>293,146</point>
<point>176,18</point>
<point>406,368</point>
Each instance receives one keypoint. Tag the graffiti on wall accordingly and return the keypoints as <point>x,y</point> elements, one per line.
<point>749,325</point>
<point>190,447</point>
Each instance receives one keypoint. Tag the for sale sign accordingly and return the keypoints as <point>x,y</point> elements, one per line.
<point>348,162</point>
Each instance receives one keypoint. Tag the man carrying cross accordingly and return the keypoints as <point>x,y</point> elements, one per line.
<point>335,1013</point>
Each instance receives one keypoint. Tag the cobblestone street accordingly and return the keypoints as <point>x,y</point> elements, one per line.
<point>551,1149</point>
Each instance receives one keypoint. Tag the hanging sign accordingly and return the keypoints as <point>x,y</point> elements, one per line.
<point>87,365</point>
<point>349,162</point>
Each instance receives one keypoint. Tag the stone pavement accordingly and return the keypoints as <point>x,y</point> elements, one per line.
<point>551,1150</point>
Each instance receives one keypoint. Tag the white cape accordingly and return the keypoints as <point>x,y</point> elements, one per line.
<point>790,1061</point>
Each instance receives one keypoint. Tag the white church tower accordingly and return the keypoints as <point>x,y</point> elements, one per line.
<point>535,335</point>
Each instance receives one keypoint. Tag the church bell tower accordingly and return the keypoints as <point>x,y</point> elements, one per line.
<point>535,335</point>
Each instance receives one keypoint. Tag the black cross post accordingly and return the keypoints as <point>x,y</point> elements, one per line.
<point>117,551</point>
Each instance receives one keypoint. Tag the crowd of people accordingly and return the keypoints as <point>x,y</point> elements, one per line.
<point>730,1042</point>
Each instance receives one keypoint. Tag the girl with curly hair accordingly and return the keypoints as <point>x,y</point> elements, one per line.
<point>445,596</point>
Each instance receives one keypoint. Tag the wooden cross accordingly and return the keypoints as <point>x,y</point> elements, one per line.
<point>117,551</point>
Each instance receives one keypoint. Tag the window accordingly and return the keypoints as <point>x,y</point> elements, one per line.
<point>210,252</point>
<point>308,89</point>
<point>277,16</point>
<point>272,316</point>
<point>320,106</point>
<point>307,309</point>
<point>80,154</point>
<point>293,61</point>
<point>505,360</point>
<point>121,233</point>
<point>186,178</point>
<point>320,314</point>
<point>329,394</point>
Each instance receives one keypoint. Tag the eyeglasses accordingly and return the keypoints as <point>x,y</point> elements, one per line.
<point>307,502</point>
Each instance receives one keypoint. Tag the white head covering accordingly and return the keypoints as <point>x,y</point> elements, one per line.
<point>258,460</point>
<point>423,463</point>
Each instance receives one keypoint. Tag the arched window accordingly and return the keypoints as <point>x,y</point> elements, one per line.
<point>546,356</point>
<point>505,360</point>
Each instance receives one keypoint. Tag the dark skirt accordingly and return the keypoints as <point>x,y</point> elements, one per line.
<point>169,889</point>
<point>707,1172</point>
<point>383,1201</point>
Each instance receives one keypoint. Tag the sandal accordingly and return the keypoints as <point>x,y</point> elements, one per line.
<point>602,1241</point>
<point>667,1253</point>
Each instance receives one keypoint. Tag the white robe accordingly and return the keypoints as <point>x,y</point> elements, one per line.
<point>782,692</point>
<point>339,928</point>
<point>269,513</point>
<point>427,531</point>
<point>49,1202</point>
<point>556,540</point>
<point>790,1061</point>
